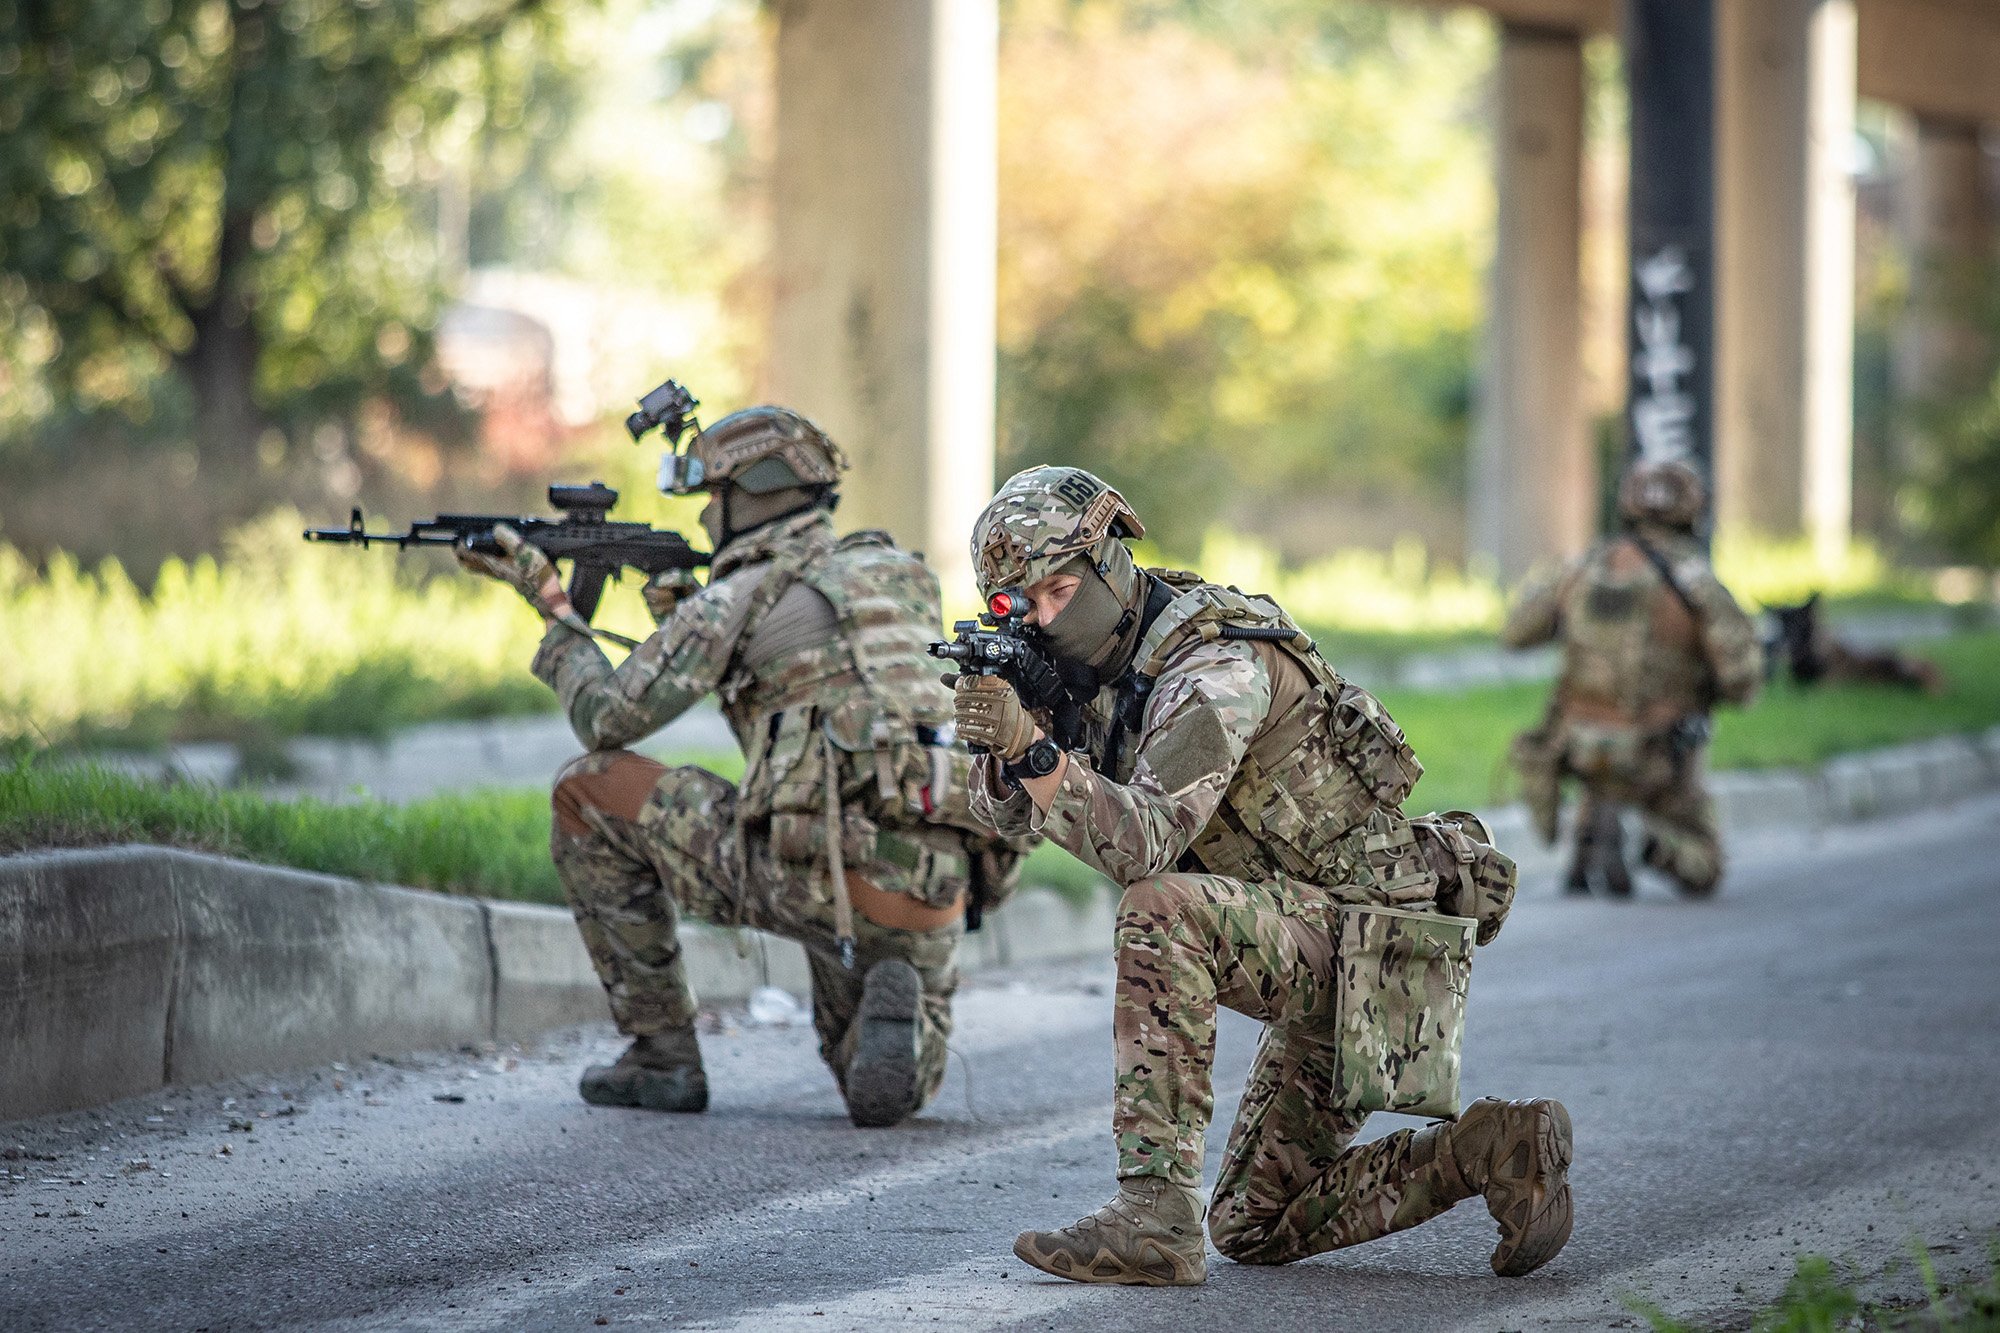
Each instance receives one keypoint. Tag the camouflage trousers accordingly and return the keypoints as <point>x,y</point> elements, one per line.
<point>637,845</point>
<point>1666,788</point>
<point>1293,1183</point>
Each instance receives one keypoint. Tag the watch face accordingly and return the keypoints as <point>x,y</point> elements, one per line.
<point>1042,757</point>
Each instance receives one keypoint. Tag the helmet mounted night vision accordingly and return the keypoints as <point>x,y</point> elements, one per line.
<point>670,407</point>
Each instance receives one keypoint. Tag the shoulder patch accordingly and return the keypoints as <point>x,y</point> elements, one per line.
<point>1195,747</point>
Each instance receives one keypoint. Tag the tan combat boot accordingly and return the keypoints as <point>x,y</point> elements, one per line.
<point>659,1072</point>
<point>1516,1154</point>
<point>1149,1235</point>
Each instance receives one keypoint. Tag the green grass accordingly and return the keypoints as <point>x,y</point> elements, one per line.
<point>495,843</point>
<point>491,843</point>
<point>280,638</point>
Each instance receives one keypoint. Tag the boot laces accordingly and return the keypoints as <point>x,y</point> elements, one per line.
<point>1119,1210</point>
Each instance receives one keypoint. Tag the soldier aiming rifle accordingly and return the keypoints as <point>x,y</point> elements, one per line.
<point>1248,801</point>
<point>850,831</point>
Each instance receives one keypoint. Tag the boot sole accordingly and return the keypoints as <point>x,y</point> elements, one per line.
<point>643,1094</point>
<point>1548,1230</point>
<point>1106,1270</point>
<point>882,1075</point>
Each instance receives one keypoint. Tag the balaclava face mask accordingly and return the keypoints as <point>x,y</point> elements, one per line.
<point>1099,629</point>
<point>732,511</point>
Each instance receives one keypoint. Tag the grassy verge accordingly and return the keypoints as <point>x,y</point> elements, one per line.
<point>495,842</point>
<point>491,843</point>
<point>279,638</point>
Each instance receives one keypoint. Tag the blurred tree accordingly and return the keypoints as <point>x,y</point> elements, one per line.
<point>216,194</point>
<point>1242,248</point>
<point>1953,498</point>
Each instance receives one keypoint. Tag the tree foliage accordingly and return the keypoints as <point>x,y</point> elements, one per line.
<point>1241,248</point>
<point>222,204</point>
<point>1954,496</point>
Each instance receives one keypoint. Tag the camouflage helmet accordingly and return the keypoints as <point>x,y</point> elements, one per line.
<point>1040,520</point>
<point>1669,493</point>
<point>760,449</point>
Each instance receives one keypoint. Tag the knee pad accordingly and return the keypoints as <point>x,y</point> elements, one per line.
<point>617,782</point>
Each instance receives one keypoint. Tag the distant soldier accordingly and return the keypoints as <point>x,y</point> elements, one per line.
<point>849,832</point>
<point>1248,802</point>
<point>1651,643</point>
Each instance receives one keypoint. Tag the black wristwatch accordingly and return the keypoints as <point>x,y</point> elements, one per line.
<point>1037,761</point>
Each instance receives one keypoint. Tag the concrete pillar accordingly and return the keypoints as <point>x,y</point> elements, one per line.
<point>1945,216</point>
<point>884,237</point>
<point>1534,475</point>
<point>1785,253</point>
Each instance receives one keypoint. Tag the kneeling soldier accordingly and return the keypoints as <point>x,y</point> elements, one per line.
<point>1248,800</point>
<point>850,831</point>
<point>1651,643</point>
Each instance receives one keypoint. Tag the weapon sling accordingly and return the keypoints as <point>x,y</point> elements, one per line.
<point>836,864</point>
<point>1665,570</point>
<point>1666,573</point>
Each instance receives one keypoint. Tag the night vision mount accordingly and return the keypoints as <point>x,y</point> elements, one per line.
<point>671,408</point>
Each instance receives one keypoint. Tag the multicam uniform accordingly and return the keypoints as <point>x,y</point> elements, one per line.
<point>815,646</point>
<point>1250,808</point>
<point>1640,660</point>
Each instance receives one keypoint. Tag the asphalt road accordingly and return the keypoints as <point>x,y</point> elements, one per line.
<point>1807,1064</point>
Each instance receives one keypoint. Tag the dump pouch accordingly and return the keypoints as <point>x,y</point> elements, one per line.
<point>1475,879</point>
<point>1399,1009</point>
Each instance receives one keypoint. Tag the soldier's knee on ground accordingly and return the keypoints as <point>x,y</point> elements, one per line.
<point>615,782</point>
<point>1695,862</point>
<point>1239,1231</point>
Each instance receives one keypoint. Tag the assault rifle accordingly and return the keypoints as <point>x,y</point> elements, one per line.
<point>1003,649</point>
<point>596,545</point>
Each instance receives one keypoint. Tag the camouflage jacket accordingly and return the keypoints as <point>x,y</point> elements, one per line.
<point>815,647</point>
<point>1633,652</point>
<point>688,657</point>
<point>1251,759</point>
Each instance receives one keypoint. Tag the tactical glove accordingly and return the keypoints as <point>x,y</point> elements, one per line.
<point>526,570</point>
<point>989,713</point>
<point>666,590</point>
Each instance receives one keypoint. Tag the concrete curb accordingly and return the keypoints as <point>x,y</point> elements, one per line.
<point>126,968</point>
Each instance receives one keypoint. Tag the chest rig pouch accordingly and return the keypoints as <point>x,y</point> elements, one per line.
<point>1475,878</point>
<point>1328,760</point>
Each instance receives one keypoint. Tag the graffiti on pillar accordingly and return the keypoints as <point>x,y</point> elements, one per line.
<point>1663,405</point>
